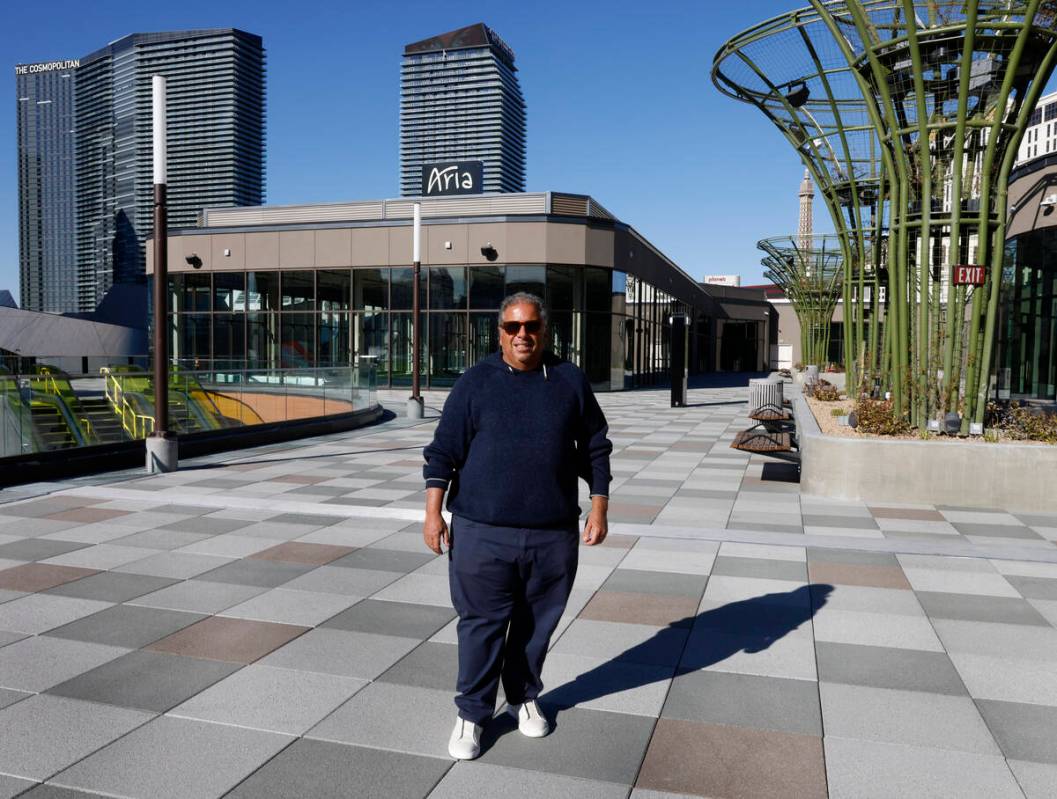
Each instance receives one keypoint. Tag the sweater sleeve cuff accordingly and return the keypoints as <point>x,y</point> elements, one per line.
<point>437,482</point>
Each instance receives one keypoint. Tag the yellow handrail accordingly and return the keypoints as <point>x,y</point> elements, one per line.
<point>135,424</point>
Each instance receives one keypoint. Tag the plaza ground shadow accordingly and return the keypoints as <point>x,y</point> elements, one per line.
<point>710,637</point>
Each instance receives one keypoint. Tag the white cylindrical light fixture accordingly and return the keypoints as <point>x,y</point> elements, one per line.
<point>416,239</point>
<point>159,129</point>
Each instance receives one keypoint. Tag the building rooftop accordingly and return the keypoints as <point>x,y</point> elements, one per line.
<point>478,35</point>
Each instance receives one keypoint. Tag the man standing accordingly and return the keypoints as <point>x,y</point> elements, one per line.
<point>517,431</point>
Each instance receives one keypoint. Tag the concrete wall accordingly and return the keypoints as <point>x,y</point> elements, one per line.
<point>937,472</point>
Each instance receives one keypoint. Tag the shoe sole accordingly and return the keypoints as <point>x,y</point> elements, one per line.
<point>454,756</point>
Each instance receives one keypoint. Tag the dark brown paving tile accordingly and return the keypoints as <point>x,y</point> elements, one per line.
<point>618,541</point>
<point>40,576</point>
<point>654,609</point>
<point>857,574</point>
<point>303,552</point>
<point>732,762</point>
<point>908,513</point>
<point>231,640</point>
<point>87,515</point>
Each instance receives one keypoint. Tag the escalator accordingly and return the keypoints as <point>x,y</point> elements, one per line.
<point>53,431</point>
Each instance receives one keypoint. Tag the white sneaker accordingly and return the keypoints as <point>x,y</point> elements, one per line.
<point>465,741</point>
<point>530,720</point>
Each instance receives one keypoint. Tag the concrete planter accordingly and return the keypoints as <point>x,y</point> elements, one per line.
<point>936,472</point>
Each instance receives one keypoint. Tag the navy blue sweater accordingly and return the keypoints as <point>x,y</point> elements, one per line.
<point>511,444</point>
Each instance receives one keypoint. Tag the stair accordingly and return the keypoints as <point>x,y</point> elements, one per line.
<point>51,427</point>
<point>105,424</point>
<point>181,417</point>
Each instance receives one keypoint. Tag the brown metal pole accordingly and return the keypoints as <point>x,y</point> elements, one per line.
<point>161,320</point>
<point>416,355</point>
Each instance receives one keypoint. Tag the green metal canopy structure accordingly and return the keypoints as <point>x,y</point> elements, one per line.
<point>810,269</point>
<point>909,114</point>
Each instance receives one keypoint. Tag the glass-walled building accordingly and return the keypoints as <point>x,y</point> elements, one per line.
<point>320,286</point>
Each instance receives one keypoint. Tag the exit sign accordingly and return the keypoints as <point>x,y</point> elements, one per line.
<point>968,275</point>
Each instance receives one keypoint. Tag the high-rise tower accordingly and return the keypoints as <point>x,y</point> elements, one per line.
<point>47,207</point>
<point>804,228</point>
<point>460,101</point>
<point>215,142</point>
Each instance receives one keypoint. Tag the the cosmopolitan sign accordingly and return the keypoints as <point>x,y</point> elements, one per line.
<point>46,66</point>
<point>452,177</point>
<point>967,275</point>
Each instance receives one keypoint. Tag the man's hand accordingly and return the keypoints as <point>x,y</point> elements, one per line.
<point>435,529</point>
<point>597,526</point>
<point>435,532</point>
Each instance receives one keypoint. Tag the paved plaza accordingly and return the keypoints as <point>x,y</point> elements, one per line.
<point>268,623</point>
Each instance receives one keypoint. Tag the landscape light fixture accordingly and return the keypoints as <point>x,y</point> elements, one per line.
<point>952,423</point>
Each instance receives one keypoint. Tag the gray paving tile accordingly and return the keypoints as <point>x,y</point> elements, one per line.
<point>112,586</point>
<point>208,525</point>
<point>827,520</point>
<point>598,684</point>
<point>45,734</point>
<point>176,565</point>
<point>429,665</point>
<point>388,716</point>
<point>760,567</point>
<point>591,744</point>
<point>631,643</point>
<point>303,608</point>
<point>765,703</point>
<point>996,530</point>
<point>128,626</point>
<point>1035,587</point>
<point>857,768</point>
<point>1036,779</point>
<point>1023,731</point>
<point>485,779</point>
<point>262,573</point>
<point>854,557</point>
<point>39,662</point>
<point>37,549</point>
<point>36,613</point>
<point>160,539</point>
<point>882,667</point>
<point>13,786</point>
<point>144,680</point>
<point>201,760</point>
<point>348,654</point>
<point>383,560</point>
<point>266,698</point>
<point>402,619</point>
<point>308,519</point>
<point>7,637</point>
<point>969,607</point>
<point>913,718</point>
<point>345,581</point>
<point>651,582</point>
<point>199,596</point>
<point>325,770</point>
<point>9,697</point>
<point>1011,641</point>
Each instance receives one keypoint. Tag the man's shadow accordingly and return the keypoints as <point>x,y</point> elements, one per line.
<point>687,645</point>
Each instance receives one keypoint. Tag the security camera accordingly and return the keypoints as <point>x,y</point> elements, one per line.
<point>194,260</point>
<point>489,252</point>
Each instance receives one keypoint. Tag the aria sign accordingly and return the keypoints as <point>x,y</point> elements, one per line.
<point>456,177</point>
<point>967,275</point>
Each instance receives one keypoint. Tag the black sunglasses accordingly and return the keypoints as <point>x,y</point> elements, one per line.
<point>532,327</point>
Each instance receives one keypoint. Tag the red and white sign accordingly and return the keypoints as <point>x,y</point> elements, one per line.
<point>967,275</point>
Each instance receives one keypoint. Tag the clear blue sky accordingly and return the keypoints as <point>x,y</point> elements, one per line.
<point>620,106</point>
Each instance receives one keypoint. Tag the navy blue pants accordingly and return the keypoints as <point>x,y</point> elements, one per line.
<point>509,587</point>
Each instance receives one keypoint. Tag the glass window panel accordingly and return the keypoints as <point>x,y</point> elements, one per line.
<point>192,292</point>
<point>299,290</point>
<point>334,289</point>
<point>229,340</point>
<point>486,287</point>
<point>401,349</point>
<point>447,287</point>
<point>597,347</point>
<point>334,341</point>
<point>447,348</point>
<point>192,340</point>
<point>598,287</point>
<point>298,341</point>
<point>262,340</point>
<point>370,289</point>
<point>370,332</point>
<point>401,289</point>
<point>560,325</point>
<point>262,291</point>
<point>484,335</point>
<point>229,291</point>
<point>531,279</point>
<point>561,288</point>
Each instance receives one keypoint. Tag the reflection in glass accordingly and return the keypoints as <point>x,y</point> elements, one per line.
<point>334,340</point>
<point>597,347</point>
<point>192,349</point>
<point>563,288</point>
<point>229,291</point>
<point>192,292</point>
<point>484,335</point>
<point>531,279</point>
<point>447,287</point>
<point>486,287</point>
<point>334,289</point>
<point>560,325</point>
<point>598,288</point>
<point>262,340</point>
<point>298,337</point>
<point>370,289</point>
<point>299,290</point>
<point>262,291</point>
<point>447,348</point>
<point>229,340</point>
<point>401,288</point>
<point>401,348</point>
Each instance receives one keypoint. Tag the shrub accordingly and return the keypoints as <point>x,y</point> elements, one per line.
<point>826,391</point>
<point>876,416</point>
<point>836,411</point>
<point>1022,423</point>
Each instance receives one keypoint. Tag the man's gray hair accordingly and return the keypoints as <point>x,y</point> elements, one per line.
<point>523,297</point>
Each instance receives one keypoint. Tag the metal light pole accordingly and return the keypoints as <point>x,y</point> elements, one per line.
<point>415,403</point>
<point>161,444</point>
